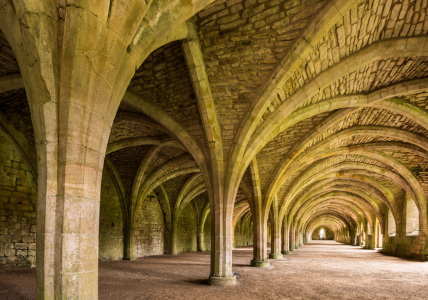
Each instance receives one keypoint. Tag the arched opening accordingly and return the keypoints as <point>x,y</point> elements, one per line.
<point>321,235</point>
<point>392,230</point>
<point>412,217</point>
<point>348,117</point>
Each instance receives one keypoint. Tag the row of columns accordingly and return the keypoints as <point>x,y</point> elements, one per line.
<point>285,237</point>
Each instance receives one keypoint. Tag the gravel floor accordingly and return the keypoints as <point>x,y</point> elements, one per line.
<point>319,270</point>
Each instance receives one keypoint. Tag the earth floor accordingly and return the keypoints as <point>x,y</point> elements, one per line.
<point>318,270</point>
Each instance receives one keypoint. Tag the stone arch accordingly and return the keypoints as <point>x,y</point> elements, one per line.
<point>395,90</point>
<point>19,140</point>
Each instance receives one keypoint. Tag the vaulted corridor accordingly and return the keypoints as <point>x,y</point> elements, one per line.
<point>143,129</point>
<point>319,270</point>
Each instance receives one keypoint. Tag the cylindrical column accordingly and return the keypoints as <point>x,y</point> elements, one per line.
<point>173,241</point>
<point>201,242</point>
<point>292,238</point>
<point>275,252</point>
<point>129,243</point>
<point>285,238</point>
<point>259,242</point>
<point>221,244</point>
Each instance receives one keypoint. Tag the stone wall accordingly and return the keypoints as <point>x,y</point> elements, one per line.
<point>408,246</point>
<point>149,229</point>
<point>207,233</point>
<point>186,230</point>
<point>111,222</point>
<point>18,197</point>
<point>243,233</point>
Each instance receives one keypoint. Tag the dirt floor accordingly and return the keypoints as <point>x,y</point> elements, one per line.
<point>319,270</point>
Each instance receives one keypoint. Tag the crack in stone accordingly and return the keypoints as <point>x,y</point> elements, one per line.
<point>95,70</point>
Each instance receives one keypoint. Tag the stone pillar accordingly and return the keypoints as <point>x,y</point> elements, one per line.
<point>167,239</point>
<point>75,69</point>
<point>285,238</point>
<point>173,240</point>
<point>221,190</point>
<point>275,232</point>
<point>368,238</point>
<point>292,238</point>
<point>358,240</point>
<point>275,240</point>
<point>201,242</point>
<point>296,239</point>
<point>221,244</point>
<point>129,243</point>
<point>352,237</point>
<point>259,241</point>
<point>308,238</point>
<point>375,233</point>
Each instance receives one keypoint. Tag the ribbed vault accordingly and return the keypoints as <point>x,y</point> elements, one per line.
<point>268,119</point>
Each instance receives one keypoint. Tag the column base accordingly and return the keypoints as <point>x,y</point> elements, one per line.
<point>222,281</point>
<point>275,256</point>
<point>285,252</point>
<point>259,263</point>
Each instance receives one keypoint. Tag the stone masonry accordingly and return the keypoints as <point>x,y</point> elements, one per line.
<point>136,128</point>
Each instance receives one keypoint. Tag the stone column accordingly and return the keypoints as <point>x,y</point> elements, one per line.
<point>129,243</point>
<point>275,252</point>
<point>296,239</point>
<point>285,237</point>
<point>221,244</point>
<point>358,240</point>
<point>201,242</point>
<point>352,237</point>
<point>173,240</point>
<point>75,70</point>
<point>292,238</point>
<point>308,238</point>
<point>375,233</point>
<point>275,242</point>
<point>220,190</point>
<point>259,241</point>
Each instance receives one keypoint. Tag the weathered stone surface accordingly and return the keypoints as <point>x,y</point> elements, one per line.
<point>292,115</point>
<point>17,197</point>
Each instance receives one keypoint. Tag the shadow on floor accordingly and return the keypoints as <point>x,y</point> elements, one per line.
<point>199,281</point>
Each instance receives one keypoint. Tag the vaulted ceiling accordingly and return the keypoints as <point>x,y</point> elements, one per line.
<point>323,102</point>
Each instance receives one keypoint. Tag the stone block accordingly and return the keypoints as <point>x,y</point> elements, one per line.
<point>12,219</point>
<point>28,239</point>
<point>10,207</point>
<point>21,246</point>
<point>14,231</point>
<point>21,252</point>
<point>11,260</point>
<point>4,239</point>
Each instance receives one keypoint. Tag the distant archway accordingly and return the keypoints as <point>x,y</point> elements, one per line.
<point>321,234</point>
